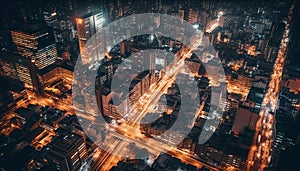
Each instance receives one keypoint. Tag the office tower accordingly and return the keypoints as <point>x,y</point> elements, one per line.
<point>107,68</point>
<point>288,100</point>
<point>239,84</point>
<point>275,36</point>
<point>68,153</point>
<point>135,91</point>
<point>145,81</point>
<point>160,59</point>
<point>50,18</point>
<point>277,30</point>
<point>119,104</point>
<point>149,60</point>
<point>90,103</point>
<point>293,50</point>
<point>104,96</point>
<point>87,26</point>
<point>257,90</point>
<point>193,16</point>
<point>271,52</point>
<point>284,133</point>
<point>152,78</point>
<point>261,45</point>
<point>35,42</point>
<point>19,68</point>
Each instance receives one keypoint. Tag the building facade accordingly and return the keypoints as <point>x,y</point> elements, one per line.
<point>35,42</point>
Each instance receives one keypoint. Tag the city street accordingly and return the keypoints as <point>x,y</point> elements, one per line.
<point>260,154</point>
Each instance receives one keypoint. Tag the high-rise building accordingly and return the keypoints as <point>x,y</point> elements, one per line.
<point>50,18</point>
<point>68,153</point>
<point>90,103</point>
<point>273,43</point>
<point>107,69</point>
<point>54,73</point>
<point>35,42</point>
<point>145,81</point>
<point>149,60</point>
<point>104,96</point>
<point>87,26</point>
<point>270,52</point>
<point>135,90</point>
<point>257,90</point>
<point>160,60</point>
<point>19,68</point>
<point>284,135</point>
<point>288,101</point>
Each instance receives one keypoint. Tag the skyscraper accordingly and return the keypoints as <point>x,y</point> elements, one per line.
<point>104,96</point>
<point>68,153</point>
<point>35,42</point>
<point>19,68</point>
<point>87,26</point>
<point>149,60</point>
<point>50,18</point>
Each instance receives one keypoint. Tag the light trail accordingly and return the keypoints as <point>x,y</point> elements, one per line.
<point>130,130</point>
<point>260,155</point>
